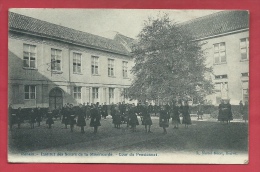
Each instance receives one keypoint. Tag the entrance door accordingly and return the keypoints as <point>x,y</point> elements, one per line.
<point>55,99</point>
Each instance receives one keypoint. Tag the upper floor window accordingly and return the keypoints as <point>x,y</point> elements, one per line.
<point>94,65</point>
<point>125,69</point>
<point>111,67</point>
<point>55,59</point>
<point>244,48</point>
<point>29,56</point>
<point>76,63</point>
<point>220,53</point>
<point>77,92</point>
<point>29,92</point>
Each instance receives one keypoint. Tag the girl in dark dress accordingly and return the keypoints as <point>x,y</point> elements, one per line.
<point>72,116</point>
<point>133,120</point>
<point>221,115</point>
<point>147,121</point>
<point>245,112</point>
<point>117,118</point>
<point>175,115</point>
<point>186,115</point>
<point>65,116</point>
<point>32,118</point>
<point>164,119</point>
<point>49,120</point>
<point>12,117</point>
<point>19,117</point>
<point>81,118</point>
<point>38,116</point>
<point>95,118</point>
<point>113,112</point>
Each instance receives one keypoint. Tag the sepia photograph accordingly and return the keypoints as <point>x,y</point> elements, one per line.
<point>143,86</point>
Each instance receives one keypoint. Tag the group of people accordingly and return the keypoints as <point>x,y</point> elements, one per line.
<point>226,114</point>
<point>121,114</point>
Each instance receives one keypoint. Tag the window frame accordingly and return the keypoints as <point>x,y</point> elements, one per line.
<point>246,47</point>
<point>95,92</point>
<point>219,51</point>
<point>111,67</point>
<point>111,93</point>
<point>125,69</point>
<point>74,54</point>
<point>30,92</point>
<point>77,92</point>
<point>55,57</point>
<point>94,65</point>
<point>29,56</point>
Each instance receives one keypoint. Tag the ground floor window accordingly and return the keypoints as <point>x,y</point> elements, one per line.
<point>29,92</point>
<point>77,92</point>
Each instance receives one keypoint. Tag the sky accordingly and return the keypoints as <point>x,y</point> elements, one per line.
<point>105,22</point>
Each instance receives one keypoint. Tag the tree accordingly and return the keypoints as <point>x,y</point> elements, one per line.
<point>168,63</point>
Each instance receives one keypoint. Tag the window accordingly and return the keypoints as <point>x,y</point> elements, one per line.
<point>77,92</point>
<point>220,76</point>
<point>30,92</point>
<point>94,65</point>
<point>29,56</point>
<point>55,59</point>
<point>76,63</point>
<point>111,93</point>
<point>95,93</point>
<point>246,74</point>
<point>125,93</point>
<point>220,53</point>
<point>244,48</point>
<point>245,90</point>
<point>111,67</point>
<point>125,69</point>
<point>221,90</point>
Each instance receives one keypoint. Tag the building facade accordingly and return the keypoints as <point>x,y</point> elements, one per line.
<point>51,65</point>
<point>225,36</point>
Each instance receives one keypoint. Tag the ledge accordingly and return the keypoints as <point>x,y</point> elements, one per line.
<point>28,68</point>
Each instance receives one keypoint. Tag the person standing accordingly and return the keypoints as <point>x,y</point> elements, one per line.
<point>164,119</point>
<point>245,112</point>
<point>147,121</point>
<point>19,117</point>
<point>38,116</point>
<point>221,116</point>
<point>49,120</point>
<point>104,111</point>
<point>81,118</point>
<point>200,111</point>
<point>117,118</point>
<point>175,115</point>
<point>72,116</point>
<point>32,118</point>
<point>241,108</point>
<point>186,114</point>
<point>12,117</point>
<point>133,120</point>
<point>95,118</point>
<point>65,115</point>
<point>230,113</point>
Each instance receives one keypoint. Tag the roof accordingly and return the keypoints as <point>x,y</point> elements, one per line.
<point>124,40</point>
<point>216,23</point>
<point>31,25</point>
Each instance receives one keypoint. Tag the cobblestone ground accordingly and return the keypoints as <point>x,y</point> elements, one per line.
<point>207,135</point>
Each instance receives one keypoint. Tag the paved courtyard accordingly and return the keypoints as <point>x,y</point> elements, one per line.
<point>201,135</point>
